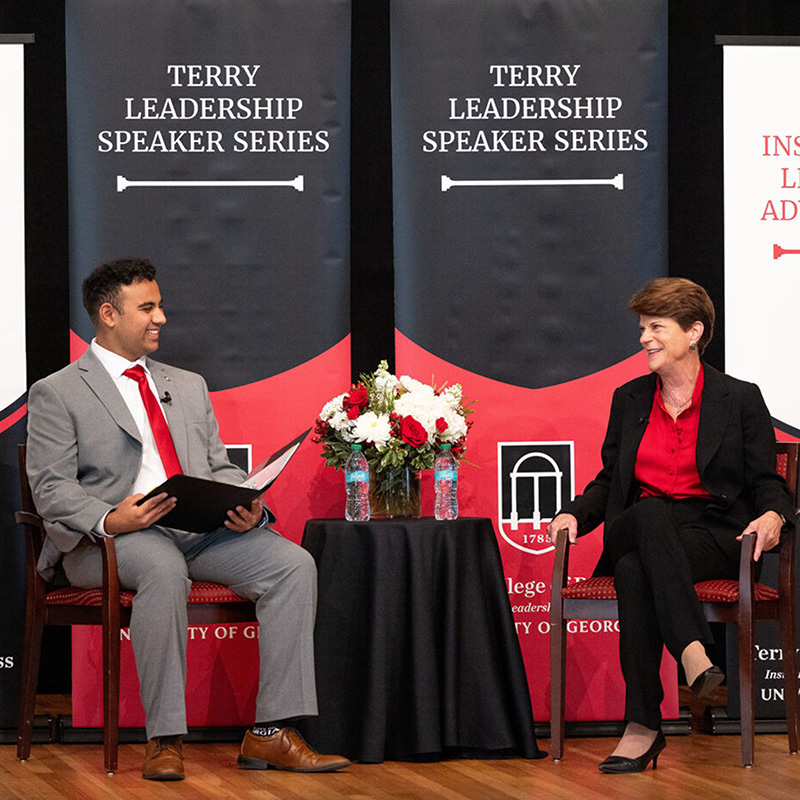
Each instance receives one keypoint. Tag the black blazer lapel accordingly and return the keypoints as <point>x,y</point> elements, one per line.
<point>714,413</point>
<point>636,415</point>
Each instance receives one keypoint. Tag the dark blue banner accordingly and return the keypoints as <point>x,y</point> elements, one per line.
<point>529,145</point>
<point>213,139</point>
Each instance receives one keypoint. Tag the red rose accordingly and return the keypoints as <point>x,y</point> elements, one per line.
<point>441,424</point>
<point>412,432</point>
<point>353,412</point>
<point>358,398</point>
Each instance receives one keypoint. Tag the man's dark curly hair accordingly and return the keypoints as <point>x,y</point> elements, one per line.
<point>104,283</point>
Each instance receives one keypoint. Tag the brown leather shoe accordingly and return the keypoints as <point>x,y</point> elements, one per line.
<point>163,759</point>
<point>287,750</point>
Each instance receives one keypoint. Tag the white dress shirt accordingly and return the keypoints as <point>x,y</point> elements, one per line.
<point>151,472</point>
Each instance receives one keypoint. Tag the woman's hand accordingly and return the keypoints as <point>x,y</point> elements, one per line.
<point>567,521</point>
<point>767,529</point>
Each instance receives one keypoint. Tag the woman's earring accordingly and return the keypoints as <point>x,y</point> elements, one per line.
<point>693,346</point>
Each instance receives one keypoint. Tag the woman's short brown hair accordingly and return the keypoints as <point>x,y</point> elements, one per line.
<point>679,299</point>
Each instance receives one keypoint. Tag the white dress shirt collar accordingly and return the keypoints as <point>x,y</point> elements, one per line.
<point>115,364</point>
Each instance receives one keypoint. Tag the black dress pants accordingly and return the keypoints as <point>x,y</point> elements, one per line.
<point>660,548</point>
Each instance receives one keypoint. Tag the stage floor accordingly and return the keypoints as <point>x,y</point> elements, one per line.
<point>699,766</point>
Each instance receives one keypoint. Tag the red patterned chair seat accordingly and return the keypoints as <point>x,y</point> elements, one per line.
<point>601,588</point>
<point>201,592</point>
<point>722,591</point>
<point>716,591</point>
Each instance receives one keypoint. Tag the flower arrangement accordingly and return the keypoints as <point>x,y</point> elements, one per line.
<point>399,421</point>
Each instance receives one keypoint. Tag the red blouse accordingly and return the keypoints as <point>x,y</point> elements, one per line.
<point>666,463</point>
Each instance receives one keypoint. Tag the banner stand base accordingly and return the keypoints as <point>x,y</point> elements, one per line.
<point>602,728</point>
<point>69,735</point>
<point>717,721</point>
<point>48,729</point>
<point>44,731</point>
<point>58,728</point>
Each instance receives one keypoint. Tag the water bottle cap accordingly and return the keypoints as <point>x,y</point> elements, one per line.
<point>446,446</point>
<point>355,446</point>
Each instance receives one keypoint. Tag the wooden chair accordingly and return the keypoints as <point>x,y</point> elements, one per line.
<point>739,602</point>
<point>109,607</point>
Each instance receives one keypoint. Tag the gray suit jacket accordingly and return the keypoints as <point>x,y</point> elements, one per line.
<point>84,449</point>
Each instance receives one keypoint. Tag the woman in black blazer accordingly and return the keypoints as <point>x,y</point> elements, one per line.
<point>688,468</point>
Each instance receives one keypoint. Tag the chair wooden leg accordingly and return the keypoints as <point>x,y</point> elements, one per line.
<point>747,689</point>
<point>788,646</point>
<point>31,655</point>
<point>111,669</point>
<point>558,674</point>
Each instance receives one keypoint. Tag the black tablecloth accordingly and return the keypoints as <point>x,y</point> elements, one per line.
<point>416,652</point>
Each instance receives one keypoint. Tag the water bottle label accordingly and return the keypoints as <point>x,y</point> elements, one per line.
<point>357,476</point>
<point>446,475</point>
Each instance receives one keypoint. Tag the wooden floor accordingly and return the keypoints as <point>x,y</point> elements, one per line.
<point>698,766</point>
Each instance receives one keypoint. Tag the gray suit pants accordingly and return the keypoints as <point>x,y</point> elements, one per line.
<point>159,565</point>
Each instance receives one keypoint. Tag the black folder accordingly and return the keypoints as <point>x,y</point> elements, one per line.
<point>203,505</point>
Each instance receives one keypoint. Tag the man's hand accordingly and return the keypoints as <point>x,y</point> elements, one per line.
<point>243,519</point>
<point>567,521</point>
<point>767,529</point>
<point>128,517</point>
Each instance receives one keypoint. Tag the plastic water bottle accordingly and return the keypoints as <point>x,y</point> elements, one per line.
<point>356,476</point>
<point>445,481</point>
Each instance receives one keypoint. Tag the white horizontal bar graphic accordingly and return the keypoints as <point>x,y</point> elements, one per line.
<point>123,183</point>
<point>617,181</point>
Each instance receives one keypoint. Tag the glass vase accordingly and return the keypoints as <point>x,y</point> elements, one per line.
<point>394,493</point>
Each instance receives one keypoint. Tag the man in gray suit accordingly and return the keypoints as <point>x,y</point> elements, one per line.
<point>93,453</point>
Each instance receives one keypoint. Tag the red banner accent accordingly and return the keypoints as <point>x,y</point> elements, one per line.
<point>13,417</point>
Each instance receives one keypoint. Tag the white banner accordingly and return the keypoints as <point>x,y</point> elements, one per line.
<point>762,222</point>
<point>12,225</point>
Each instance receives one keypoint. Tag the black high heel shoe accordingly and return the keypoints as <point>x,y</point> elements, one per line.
<point>618,764</point>
<point>704,684</point>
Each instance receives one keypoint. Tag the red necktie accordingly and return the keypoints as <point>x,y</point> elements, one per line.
<point>166,447</point>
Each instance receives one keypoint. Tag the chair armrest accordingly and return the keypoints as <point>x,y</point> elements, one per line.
<point>35,532</point>
<point>560,566</point>
<point>786,563</point>
<point>108,551</point>
<point>747,572</point>
<point>28,518</point>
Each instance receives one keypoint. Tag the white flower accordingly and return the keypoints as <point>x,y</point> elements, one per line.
<point>456,426</point>
<point>386,386</point>
<point>372,427</point>
<point>331,407</point>
<point>452,395</point>
<point>414,386</point>
<point>413,404</point>
<point>343,425</point>
<point>427,408</point>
